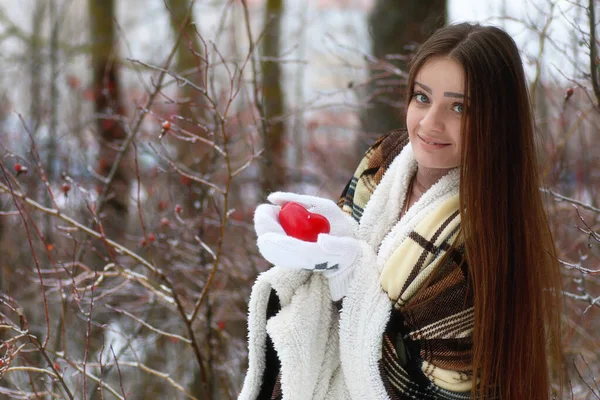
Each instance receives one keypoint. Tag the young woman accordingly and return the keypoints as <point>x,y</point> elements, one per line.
<point>438,279</point>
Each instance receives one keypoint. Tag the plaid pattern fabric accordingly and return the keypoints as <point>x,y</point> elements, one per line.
<point>427,344</point>
<point>432,324</point>
<point>376,161</point>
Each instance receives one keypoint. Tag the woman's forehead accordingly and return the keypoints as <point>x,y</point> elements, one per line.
<point>441,74</point>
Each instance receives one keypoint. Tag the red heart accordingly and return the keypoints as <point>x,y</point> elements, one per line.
<point>298,222</point>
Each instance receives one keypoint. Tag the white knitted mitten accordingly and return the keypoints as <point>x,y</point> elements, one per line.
<point>333,254</point>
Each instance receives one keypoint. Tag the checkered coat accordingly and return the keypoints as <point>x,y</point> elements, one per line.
<point>404,330</point>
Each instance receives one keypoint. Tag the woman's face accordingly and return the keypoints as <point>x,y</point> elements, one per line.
<point>435,112</point>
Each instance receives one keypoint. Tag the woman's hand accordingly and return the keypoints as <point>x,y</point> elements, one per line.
<point>341,224</point>
<point>332,254</point>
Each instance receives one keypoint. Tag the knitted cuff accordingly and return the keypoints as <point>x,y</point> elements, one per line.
<point>339,283</point>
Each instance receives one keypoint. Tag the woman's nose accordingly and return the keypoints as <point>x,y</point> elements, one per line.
<point>433,120</point>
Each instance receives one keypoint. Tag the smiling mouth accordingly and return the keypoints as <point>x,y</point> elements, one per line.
<point>432,142</point>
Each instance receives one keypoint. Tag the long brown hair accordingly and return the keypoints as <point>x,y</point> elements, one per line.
<point>514,273</point>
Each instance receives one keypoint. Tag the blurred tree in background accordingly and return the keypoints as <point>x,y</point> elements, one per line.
<point>110,115</point>
<point>396,29</point>
<point>192,110</point>
<point>273,168</point>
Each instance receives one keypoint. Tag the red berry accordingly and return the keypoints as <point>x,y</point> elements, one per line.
<point>20,169</point>
<point>66,188</point>
<point>178,209</point>
<point>166,125</point>
<point>237,215</point>
<point>186,181</point>
<point>151,237</point>
<point>221,325</point>
<point>103,164</point>
<point>569,93</point>
<point>73,82</point>
<point>162,205</point>
<point>164,221</point>
<point>143,243</point>
<point>107,124</point>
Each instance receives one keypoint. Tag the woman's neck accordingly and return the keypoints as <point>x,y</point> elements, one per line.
<point>422,181</point>
<point>426,177</point>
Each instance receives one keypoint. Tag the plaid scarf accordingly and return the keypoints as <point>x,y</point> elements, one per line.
<point>427,345</point>
<point>369,172</point>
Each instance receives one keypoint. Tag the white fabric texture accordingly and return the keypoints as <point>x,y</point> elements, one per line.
<point>334,254</point>
<point>304,334</point>
<point>325,355</point>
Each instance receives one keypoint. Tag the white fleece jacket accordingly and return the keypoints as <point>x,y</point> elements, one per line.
<point>323,354</point>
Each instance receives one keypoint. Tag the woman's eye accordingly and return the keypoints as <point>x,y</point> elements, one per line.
<point>421,98</point>
<point>458,108</point>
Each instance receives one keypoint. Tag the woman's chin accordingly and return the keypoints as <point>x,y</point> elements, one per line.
<point>428,162</point>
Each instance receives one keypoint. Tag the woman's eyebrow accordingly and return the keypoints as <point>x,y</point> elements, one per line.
<point>453,94</point>
<point>446,94</point>
<point>427,88</point>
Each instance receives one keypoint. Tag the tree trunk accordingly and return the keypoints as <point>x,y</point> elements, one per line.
<point>109,108</point>
<point>35,66</point>
<point>397,28</point>
<point>36,73</point>
<point>190,64</point>
<point>193,107</point>
<point>273,169</point>
<point>51,146</point>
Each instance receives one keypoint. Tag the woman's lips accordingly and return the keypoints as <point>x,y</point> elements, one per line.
<point>432,143</point>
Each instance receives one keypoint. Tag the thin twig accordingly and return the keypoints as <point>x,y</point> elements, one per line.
<point>247,163</point>
<point>33,254</point>
<point>156,373</point>
<point>582,379</point>
<point>97,380</point>
<point>91,232</point>
<point>119,370</point>
<point>187,174</point>
<point>147,325</point>
<point>579,268</point>
<point>32,369</point>
<point>44,354</point>
<point>570,200</point>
